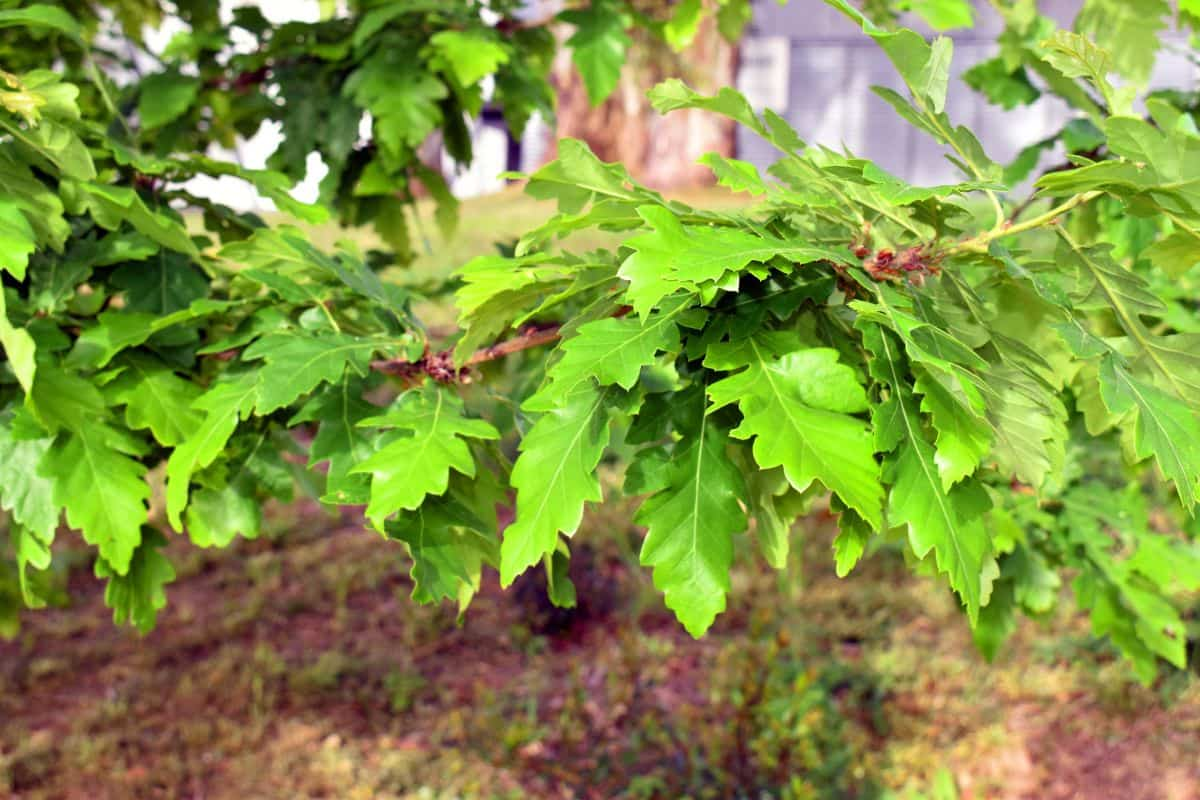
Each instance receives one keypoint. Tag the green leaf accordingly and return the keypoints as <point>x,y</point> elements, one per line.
<point>598,46</point>
<point>733,174</point>
<point>161,285</point>
<point>113,332</point>
<point>610,351</point>
<point>680,30</point>
<point>1029,424</point>
<point>798,410</point>
<point>1002,86</point>
<point>964,436</point>
<point>469,55</point>
<point>943,15</point>
<point>997,621</point>
<point>137,594</point>
<point>24,492</point>
<point>406,468</point>
<point>157,399</point>
<point>41,205</point>
<point>908,51</point>
<point>294,364</point>
<point>559,586</point>
<point>30,550</point>
<point>63,400</point>
<point>1130,29</point>
<point>935,76</point>
<point>103,490</point>
<point>340,441</point>
<point>1129,608</point>
<point>673,94</point>
<point>112,205</point>
<point>164,97</point>
<point>690,523</point>
<point>216,516</point>
<point>554,477</point>
<point>732,18</point>
<point>950,523</point>
<point>925,70</point>
<point>403,99</point>
<point>496,291</point>
<point>773,504</point>
<point>577,178</point>
<point>850,543</point>
<point>56,144</point>
<point>1078,57</point>
<point>1166,403</point>
<point>17,240</point>
<point>971,158</point>
<point>1175,254</point>
<point>1166,426</point>
<point>224,404</point>
<point>42,16</point>
<point>19,348</point>
<point>674,256</point>
<point>449,544</point>
<point>446,214</point>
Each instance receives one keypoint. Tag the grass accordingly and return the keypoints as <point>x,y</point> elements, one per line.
<point>338,686</point>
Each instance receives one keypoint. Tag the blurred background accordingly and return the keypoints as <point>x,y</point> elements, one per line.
<point>296,666</point>
<point>801,59</point>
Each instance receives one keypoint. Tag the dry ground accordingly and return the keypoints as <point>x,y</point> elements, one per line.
<point>296,667</point>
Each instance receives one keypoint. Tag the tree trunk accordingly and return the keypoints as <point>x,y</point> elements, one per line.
<point>660,151</point>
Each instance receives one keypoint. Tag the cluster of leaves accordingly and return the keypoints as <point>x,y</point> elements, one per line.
<point>950,372</point>
<point>137,343</point>
<point>942,363</point>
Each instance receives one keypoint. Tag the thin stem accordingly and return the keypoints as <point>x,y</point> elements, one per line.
<point>999,209</point>
<point>948,139</point>
<point>329,316</point>
<point>530,338</point>
<point>979,244</point>
<point>534,338</point>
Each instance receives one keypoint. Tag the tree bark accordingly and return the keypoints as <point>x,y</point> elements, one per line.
<point>660,151</point>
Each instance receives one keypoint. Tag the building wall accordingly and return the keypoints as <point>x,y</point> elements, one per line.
<point>832,65</point>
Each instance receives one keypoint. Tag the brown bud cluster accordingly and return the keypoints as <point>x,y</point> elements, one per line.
<point>915,264</point>
<point>440,367</point>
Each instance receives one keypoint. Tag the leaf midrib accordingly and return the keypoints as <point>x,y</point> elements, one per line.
<point>935,485</point>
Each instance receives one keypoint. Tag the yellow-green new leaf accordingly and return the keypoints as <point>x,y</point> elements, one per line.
<point>25,493</point>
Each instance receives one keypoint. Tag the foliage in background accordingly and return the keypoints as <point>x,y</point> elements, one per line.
<point>999,383</point>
